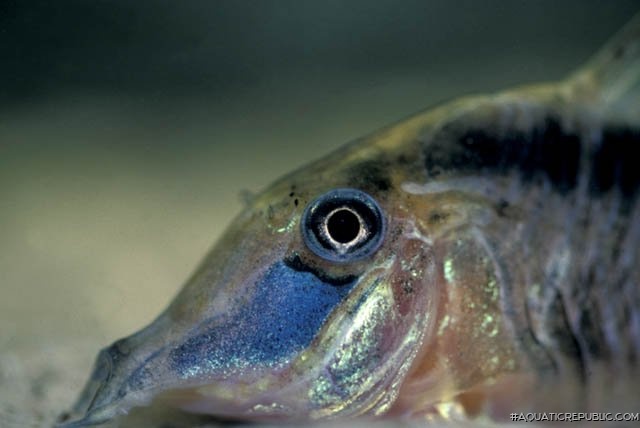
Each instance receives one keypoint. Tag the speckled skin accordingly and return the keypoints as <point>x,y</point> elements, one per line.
<point>476,298</point>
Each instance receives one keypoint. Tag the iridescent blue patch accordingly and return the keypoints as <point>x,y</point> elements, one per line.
<point>279,320</point>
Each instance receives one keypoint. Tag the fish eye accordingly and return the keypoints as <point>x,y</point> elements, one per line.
<point>343,225</point>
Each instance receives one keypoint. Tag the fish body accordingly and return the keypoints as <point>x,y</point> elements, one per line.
<point>466,262</point>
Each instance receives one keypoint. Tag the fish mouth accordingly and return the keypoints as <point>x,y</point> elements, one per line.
<point>92,418</point>
<point>84,412</point>
<point>102,397</point>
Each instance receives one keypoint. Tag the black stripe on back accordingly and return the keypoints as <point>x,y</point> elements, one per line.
<point>544,152</point>
<point>615,162</point>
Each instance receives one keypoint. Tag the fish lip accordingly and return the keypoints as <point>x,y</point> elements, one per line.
<point>84,411</point>
<point>88,419</point>
<point>94,415</point>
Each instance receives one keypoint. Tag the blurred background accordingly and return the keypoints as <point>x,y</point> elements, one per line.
<point>129,128</point>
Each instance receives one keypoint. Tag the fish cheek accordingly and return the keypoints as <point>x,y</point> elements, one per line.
<point>413,280</point>
<point>377,342</point>
<point>280,319</point>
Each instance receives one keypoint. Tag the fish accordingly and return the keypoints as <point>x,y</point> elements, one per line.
<point>475,259</point>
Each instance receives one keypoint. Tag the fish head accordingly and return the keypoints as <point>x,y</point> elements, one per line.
<point>312,304</point>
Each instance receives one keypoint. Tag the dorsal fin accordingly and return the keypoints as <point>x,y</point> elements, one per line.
<point>613,73</point>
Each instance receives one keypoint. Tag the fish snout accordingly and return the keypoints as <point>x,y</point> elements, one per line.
<point>103,389</point>
<point>102,372</point>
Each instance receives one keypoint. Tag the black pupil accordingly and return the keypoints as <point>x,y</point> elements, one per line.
<point>343,226</point>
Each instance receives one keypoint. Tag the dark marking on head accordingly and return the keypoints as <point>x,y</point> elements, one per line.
<point>437,217</point>
<point>546,151</point>
<point>295,202</point>
<point>296,263</point>
<point>370,175</point>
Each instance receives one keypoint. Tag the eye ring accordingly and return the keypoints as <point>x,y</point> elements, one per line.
<point>343,225</point>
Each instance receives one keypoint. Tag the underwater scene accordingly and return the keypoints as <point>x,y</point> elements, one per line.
<point>415,213</point>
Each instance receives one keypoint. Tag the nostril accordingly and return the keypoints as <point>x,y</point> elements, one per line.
<point>120,348</point>
<point>104,365</point>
